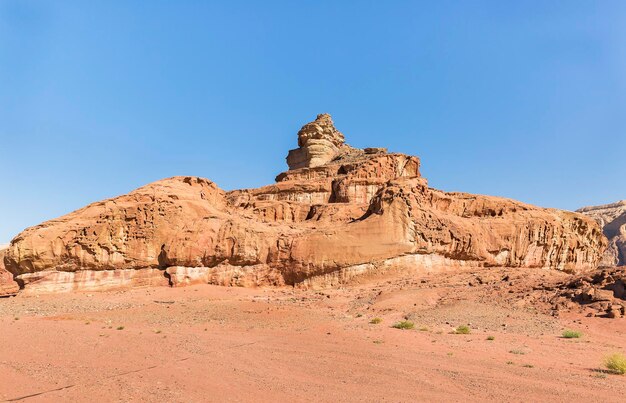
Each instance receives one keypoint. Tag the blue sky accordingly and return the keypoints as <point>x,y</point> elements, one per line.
<point>518,99</point>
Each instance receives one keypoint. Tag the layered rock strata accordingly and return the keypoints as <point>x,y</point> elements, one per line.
<point>612,219</point>
<point>335,214</point>
<point>318,143</point>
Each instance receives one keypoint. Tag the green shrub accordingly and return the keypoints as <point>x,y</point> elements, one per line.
<point>463,329</point>
<point>120,328</point>
<point>616,363</point>
<point>376,321</point>
<point>490,338</point>
<point>517,352</point>
<point>404,325</point>
<point>571,334</point>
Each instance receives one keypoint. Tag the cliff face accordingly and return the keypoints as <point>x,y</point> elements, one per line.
<point>336,213</point>
<point>8,286</point>
<point>612,219</point>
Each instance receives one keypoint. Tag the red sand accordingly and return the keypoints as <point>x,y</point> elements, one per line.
<point>208,343</point>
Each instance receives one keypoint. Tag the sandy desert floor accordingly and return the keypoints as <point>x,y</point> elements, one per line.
<point>208,343</point>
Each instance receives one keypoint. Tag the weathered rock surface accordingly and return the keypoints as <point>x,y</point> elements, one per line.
<point>8,286</point>
<point>319,142</point>
<point>612,219</point>
<point>339,212</point>
<point>603,292</point>
<point>90,280</point>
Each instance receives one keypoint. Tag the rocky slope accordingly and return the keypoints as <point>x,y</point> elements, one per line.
<point>612,219</point>
<point>337,213</point>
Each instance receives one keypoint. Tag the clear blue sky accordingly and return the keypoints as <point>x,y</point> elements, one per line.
<point>519,99</point>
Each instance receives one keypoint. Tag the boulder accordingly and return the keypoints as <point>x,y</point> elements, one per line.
<point>602,292</point>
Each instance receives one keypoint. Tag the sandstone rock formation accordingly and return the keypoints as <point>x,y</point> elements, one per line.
<point>603,291</point>
<point>338,212</point>
<point>319,142</point>
<point>612,219</point>
<point>8,286</point>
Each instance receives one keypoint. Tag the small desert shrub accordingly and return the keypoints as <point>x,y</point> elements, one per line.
<point>616,363</point>
<point>509,363</point>
<point>528,366</point>
<point>404,325</point>
<point>517,352</point>
<point>424,329</point>
<point>463,329</point>
<point>376,321</point>
<point>120,328</point>
<point>490,338</point>
<point>571,334</point>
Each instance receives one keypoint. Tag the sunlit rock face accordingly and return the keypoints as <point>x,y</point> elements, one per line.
<point>8,286</point>
<point>319,142</point>
<point>338,212</point>
<point>612,219</point>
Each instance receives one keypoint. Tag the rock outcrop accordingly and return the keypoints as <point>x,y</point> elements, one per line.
<point>612,219</point>
<point>339,212</point>
<point>603,292</point>
<point>318,143</point>
<point>8,286</point>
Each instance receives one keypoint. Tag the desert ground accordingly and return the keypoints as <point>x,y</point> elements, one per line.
<point>212,343</point>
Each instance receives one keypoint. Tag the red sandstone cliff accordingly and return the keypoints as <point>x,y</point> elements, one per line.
<point>8,286</point>
<point>339,212</point>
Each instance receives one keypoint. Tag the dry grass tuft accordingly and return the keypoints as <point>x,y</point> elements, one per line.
<point>616,363</point>
<point>404,325</point>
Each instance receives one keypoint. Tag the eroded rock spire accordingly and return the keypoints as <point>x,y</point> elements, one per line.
<point>319,142</point>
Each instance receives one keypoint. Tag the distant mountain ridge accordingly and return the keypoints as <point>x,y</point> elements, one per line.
<point>612,218</point>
